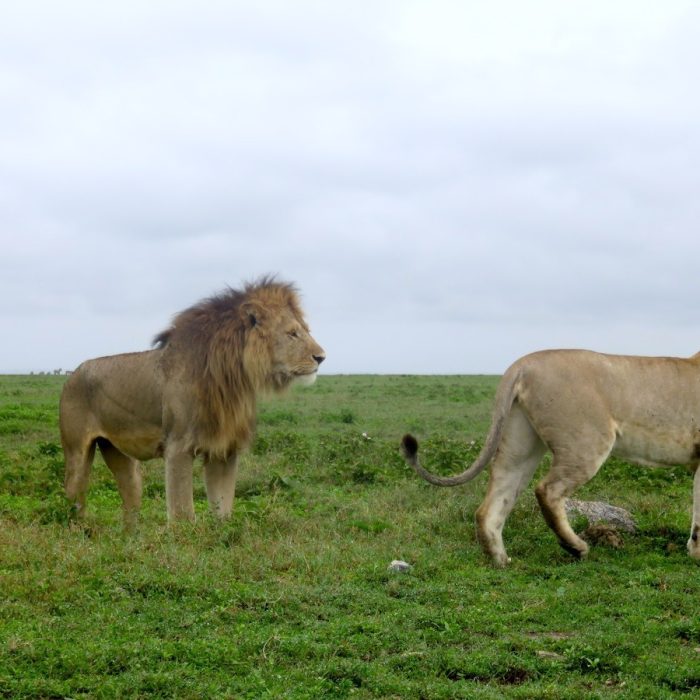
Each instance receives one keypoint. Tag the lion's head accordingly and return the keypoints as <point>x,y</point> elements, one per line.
<point>279,349</point>
<point>240,343</point>
<point>259,333</point>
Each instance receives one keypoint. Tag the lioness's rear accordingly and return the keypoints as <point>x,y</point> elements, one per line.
<point>582,406</point>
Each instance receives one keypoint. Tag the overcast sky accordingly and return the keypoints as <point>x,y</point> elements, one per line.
<point>450,184</point>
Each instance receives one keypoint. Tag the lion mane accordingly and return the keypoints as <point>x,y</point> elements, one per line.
<point>227,365</point>
<point>194,394</point>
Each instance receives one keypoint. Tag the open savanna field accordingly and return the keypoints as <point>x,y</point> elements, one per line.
<point>292,598</point>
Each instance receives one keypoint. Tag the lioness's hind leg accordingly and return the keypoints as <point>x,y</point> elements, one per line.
<point>127,472</point>
<point>78,461</point>
<point>560,482</point>
<point>515,462</point>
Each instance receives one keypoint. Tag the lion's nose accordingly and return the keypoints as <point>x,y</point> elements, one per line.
<point>319,358</point>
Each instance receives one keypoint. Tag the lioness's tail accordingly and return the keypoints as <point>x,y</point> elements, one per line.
<point>505,395</point>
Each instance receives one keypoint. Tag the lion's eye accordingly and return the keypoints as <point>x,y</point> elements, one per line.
<point>293,334</point>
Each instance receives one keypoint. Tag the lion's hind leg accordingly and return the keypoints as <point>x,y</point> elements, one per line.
<point>518,456</point>
<point>78,462</point>
<point>567,473</point>
<point>127,472</point>
<point>694,541</point>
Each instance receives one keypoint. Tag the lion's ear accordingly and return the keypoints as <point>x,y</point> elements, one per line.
<point>253,314</point>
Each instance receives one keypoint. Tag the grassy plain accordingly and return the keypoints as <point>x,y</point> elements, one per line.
<point>292,598</point>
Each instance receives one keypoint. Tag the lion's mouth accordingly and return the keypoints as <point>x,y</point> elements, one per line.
<point>305,378</point>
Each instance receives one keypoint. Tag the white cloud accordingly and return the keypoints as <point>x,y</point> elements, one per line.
<point>519,173</point>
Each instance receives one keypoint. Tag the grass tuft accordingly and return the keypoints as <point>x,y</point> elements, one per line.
<point>292,597</point>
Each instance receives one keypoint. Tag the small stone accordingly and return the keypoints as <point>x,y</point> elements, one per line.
<point>549,655</point>
<point>398,565</point>
<point>597,511</point>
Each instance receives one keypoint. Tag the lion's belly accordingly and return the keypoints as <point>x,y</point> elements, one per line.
<point>658,445</point>
<point>142,444</point>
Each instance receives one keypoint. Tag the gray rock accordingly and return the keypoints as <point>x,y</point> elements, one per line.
<point>597,511</point>
<point>398,565</point>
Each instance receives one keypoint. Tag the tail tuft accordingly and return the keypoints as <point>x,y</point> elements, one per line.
<point>409,446</point>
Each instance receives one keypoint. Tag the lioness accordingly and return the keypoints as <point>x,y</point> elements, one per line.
<point>194,394</point>
<point>582,406</point>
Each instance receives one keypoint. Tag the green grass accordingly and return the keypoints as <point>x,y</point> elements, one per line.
<point>292,597</point>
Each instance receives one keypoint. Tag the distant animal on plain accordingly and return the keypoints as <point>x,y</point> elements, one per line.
<point>193,394</point>
<point>582,406</point>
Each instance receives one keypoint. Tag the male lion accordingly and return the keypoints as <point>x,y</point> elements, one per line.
<point>582,406</point>
<point>194,394</point>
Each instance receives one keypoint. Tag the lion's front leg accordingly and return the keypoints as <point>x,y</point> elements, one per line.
<point>694,541</point>
<point>220,480</point>
<point>178,483</point>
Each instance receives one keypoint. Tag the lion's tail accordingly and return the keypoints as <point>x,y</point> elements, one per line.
<point>504,400</point>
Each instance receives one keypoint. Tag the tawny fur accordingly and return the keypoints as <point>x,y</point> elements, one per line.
<point>194,394</point>
<point>582,406</point>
